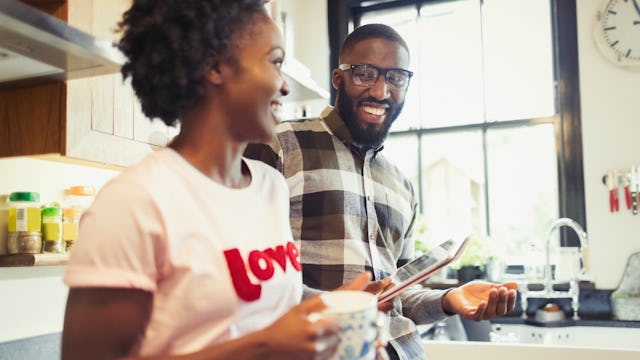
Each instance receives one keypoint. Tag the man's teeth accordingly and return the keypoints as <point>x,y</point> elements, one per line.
<point>374,110</point>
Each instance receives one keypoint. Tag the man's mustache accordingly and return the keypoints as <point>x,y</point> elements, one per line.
<point>372,100</point>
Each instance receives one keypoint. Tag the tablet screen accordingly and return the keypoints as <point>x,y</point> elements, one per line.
<point>423,266</point>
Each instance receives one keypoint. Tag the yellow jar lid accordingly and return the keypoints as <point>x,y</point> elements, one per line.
<point>71,212</point>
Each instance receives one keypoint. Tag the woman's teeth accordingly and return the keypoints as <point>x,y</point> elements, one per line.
<point>276,109</point>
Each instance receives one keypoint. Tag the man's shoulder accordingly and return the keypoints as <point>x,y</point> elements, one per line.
<point>304,124</point>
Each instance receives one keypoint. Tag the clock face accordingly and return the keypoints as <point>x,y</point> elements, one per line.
<point>618,32</point>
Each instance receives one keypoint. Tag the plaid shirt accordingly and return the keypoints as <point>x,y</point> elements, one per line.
<point>352,211</point>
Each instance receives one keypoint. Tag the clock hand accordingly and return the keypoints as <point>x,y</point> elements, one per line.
<point>635,5</point>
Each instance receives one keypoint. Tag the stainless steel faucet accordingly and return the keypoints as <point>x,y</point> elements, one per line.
<point>584,242</point>
<point>574,288</point>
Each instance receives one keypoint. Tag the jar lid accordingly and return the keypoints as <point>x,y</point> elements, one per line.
<point>24,196</point>
<point>81,190</point>
<point>52,211</point>
<point>71,212</point>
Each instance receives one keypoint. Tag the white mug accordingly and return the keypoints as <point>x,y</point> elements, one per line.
<point>359,320</point>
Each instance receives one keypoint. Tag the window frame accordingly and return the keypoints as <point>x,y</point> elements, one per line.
<point>343,14</point>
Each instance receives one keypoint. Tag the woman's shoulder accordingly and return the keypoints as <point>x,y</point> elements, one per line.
<point>137,179</point>
<point>265,174</point>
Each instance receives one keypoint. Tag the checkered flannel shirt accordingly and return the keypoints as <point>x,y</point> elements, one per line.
<point>352,211</point>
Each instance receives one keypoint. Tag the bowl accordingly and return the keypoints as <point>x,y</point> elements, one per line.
<point>550,312</point>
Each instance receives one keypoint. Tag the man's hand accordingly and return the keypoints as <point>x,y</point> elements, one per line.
<point>376,288</point>
<point>481,300</point>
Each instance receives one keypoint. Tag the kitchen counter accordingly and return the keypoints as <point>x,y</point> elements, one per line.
<point>441,350</point>
<point>594,310</point>
<point>579,322</point>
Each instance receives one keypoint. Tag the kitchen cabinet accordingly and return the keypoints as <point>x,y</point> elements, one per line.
<point>97,119</point>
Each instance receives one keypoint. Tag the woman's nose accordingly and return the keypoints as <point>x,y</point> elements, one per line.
<point>284,88</point>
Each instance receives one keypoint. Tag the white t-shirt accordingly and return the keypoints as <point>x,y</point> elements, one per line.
<point>220,262</point>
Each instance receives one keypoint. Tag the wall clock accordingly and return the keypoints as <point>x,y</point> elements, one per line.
<point>617,32</point>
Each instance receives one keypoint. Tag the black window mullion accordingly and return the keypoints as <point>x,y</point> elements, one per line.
<point>571,173</point>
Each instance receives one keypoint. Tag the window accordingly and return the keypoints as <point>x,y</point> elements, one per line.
<point>496,146</point>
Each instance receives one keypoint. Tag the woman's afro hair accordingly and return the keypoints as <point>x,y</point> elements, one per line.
<point>169,44</point>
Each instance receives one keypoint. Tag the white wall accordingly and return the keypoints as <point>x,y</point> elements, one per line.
<point>310,39</point>
<point>307,40</point>
<point>611,138</point>
<point>32,299</point>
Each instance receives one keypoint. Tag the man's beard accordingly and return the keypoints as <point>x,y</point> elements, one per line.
<point>366,135</point>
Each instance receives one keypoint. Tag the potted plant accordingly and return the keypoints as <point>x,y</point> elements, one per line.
<point>471,264</point>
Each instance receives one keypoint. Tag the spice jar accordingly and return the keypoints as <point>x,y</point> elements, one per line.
<point>24,212</point>
<point>80,197</point>
<point>70,223</point>
<point>24,242</point>
<point>52,230</point>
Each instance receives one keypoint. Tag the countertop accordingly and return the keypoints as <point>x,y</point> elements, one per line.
<point>580,322</point>
<point>594,309</point>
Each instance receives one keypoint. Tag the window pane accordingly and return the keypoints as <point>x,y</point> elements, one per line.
<point>523,188</point>
<point>449,61</point>
<point>518,59</point>
<point>402,151</point>
<point>453,183</point>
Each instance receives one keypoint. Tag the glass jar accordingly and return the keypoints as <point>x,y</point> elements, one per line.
<point>24,242</point>
<point>52,230</point>
<point>70,224</point>
<point>79,197</point>
<point>24,212</point>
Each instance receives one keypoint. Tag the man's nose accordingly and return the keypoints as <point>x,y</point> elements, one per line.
<point>380,90</point>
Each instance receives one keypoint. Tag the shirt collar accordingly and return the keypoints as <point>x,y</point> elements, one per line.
<point>340,130</point>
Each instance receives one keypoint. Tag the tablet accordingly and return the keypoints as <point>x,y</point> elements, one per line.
<point>423,266</point>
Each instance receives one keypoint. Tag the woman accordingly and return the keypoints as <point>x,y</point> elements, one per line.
<point>189,253</point>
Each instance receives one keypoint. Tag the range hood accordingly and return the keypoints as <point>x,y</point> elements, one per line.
<point>36,47</point>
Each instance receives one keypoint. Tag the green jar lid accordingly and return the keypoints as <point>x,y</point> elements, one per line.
<point>52,211</point>
<point>24,196</point>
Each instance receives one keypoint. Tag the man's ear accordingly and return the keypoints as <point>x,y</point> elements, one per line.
<point>336,78</point>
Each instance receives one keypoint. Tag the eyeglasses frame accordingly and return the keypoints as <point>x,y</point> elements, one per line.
<point>381,71</point>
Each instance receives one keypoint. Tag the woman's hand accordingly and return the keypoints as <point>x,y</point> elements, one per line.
<point>294,336</point>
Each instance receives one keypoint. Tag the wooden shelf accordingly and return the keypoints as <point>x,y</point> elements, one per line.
<point>301,86</point>
<point>16,260</point>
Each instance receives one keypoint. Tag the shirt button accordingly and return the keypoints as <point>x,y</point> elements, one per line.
<point>369,197</point>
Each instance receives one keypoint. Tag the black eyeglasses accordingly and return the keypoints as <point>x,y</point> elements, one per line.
<point>367,75</point>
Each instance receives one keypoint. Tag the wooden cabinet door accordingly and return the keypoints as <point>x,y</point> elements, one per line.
<point>103,112</point>
<point>97,119</point>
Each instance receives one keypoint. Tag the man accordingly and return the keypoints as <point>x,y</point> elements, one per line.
<point>352,209</point>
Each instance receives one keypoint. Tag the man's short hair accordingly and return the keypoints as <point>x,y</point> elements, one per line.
<point>371,31</point>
